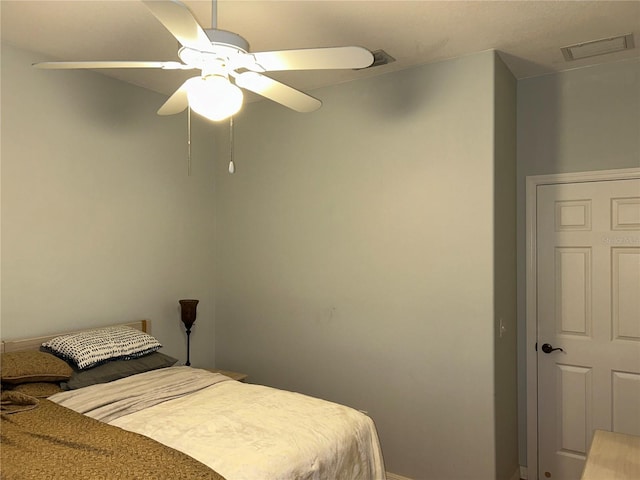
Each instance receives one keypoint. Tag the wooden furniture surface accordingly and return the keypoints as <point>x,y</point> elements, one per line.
<point>240,377</point>
<point>613,456</point>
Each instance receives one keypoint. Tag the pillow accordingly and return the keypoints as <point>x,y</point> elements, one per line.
<point>93,347</point>
<point>115,369</point>
<point>38,389</point>
<point>33,366</point>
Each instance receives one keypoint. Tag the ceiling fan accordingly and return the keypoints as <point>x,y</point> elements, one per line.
<point>226,66</point>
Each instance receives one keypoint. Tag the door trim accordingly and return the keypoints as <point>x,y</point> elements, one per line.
<point>532,183</point>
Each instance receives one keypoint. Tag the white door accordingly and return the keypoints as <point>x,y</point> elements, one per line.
<point>588,284</point>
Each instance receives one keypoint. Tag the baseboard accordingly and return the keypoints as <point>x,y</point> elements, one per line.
<point>524,474</point>
<point>520,474</point>
<point>516,475</point>
<point>395,476</point>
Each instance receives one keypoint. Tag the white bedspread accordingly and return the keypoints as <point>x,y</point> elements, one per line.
<point>109,401</point>
<point>253,432</point>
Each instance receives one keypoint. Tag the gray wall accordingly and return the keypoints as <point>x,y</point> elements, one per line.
<point>355,251</point>
<point>100,222</point>
<point>505,367</point>
<point>579,120</point>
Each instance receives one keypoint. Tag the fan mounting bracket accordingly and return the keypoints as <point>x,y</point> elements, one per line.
<point>228,39</point>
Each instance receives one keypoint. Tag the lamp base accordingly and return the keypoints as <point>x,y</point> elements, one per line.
<point>188,364</point>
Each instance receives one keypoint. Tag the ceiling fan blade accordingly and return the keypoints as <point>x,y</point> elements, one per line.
<point>177,18</point>
<point>278,92</point>
<point>314,59</point>
<point>177,102</point>
<point>125,64</point>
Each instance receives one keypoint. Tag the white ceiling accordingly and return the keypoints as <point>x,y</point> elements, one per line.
<point>528,34</point>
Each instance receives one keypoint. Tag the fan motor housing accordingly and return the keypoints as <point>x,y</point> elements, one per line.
<point>224,47</point>
<point>208,60</point>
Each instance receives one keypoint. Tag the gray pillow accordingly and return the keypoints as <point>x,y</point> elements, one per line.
<point>116,369</point>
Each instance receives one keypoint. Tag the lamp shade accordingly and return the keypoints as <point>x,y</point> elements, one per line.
<point>188,311</point>
<point>214,97</point>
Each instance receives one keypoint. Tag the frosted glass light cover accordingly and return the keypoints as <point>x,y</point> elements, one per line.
<point>214,97</point>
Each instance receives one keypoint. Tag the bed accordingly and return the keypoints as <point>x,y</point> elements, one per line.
<point>168,421</point>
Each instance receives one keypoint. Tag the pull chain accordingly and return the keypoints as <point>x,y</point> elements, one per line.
<point>232,166</point>
<point>189,141</point>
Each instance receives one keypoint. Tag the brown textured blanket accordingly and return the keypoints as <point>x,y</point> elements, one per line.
<point>42,440</point>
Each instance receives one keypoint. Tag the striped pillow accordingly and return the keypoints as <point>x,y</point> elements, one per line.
<point>94,347</point>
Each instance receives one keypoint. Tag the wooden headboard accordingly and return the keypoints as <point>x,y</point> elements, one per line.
<point>34,343</point>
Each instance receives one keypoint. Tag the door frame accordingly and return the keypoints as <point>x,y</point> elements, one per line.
<point>532,183</point>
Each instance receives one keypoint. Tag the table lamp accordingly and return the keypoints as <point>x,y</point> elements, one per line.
<point>188,316</point>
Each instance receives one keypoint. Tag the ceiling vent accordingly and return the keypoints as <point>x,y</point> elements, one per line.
<point>380,57</point>
<point>598,47</point>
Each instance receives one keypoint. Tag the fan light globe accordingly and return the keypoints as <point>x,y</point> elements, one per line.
<point>214,97</point>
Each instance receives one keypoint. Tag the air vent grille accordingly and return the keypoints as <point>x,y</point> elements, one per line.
<point>380,57</point>
<point>598,47</point>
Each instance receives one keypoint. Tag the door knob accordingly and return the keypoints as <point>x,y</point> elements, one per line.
<point>548,348</point>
